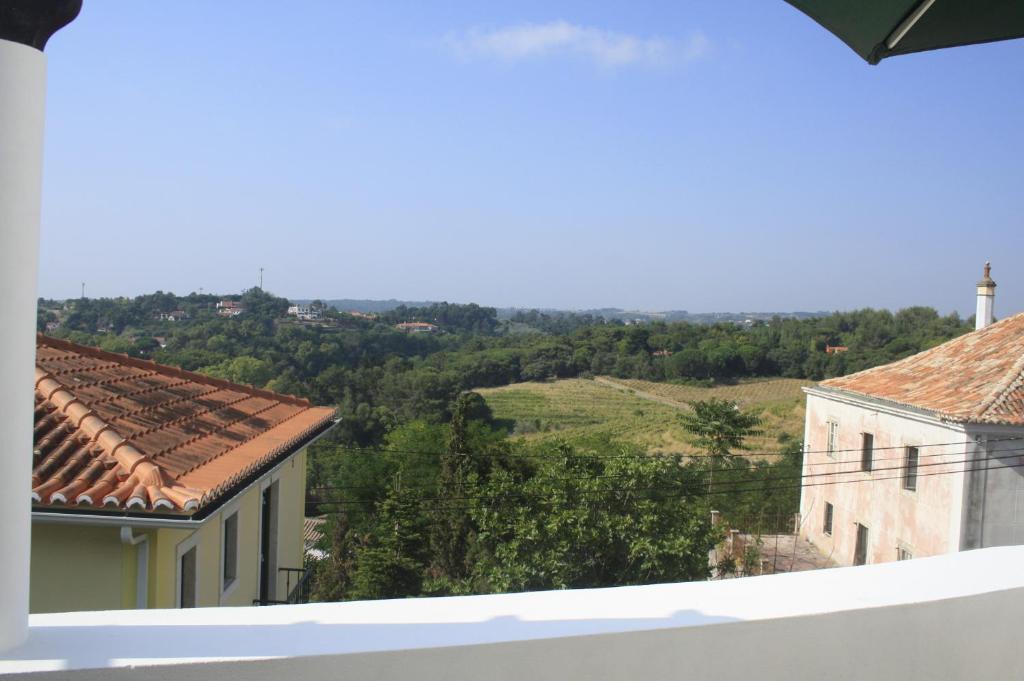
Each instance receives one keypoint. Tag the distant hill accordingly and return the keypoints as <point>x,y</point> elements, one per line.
<point>641,316</point>
<point>609,313</point>
<point>376,306</point>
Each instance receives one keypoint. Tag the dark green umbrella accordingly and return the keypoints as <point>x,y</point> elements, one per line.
<point>877,29</point>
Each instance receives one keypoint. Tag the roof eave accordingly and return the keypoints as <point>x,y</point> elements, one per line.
<point>97,516</point>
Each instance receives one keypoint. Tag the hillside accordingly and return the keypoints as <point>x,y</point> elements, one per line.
<point>641,412</point>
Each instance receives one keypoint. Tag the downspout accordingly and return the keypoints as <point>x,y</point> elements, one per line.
<point>25,26</point>
<point>141,542</point>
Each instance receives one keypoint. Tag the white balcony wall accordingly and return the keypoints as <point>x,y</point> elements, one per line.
<point>948,617</point>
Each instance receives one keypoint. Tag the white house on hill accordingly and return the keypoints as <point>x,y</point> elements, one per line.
<point>923,456</point>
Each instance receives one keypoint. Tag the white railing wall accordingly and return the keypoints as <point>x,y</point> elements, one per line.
<point>949,617</point>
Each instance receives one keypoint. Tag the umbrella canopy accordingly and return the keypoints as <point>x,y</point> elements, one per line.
<point>876,29</point>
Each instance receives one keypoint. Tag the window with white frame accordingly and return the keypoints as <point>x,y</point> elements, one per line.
<point>229,552</point>
<point>832,438</point>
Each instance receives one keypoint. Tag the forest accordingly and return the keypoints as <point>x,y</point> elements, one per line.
<point>426,493</point>
<point>380,377</point>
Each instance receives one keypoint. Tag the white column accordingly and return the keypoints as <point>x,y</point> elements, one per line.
<point>22,89</point>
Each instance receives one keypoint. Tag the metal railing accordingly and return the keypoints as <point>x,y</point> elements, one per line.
<point>297,593</point>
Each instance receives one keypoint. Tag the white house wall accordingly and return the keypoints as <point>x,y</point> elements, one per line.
<point>925,522</point>
<point>994,511</point>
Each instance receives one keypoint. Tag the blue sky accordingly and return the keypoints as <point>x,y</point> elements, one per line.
<point>648,155</point>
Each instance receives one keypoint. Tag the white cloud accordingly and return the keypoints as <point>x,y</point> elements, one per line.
<point>607,48</point>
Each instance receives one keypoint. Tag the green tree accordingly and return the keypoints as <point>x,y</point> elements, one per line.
<point>451,534</point>
<point>392,563</point>
<point>588,521</point>
<point>334,572</point>
<point>718,427</point>
<point>245,369</point>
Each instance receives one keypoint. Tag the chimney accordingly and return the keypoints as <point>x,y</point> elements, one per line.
<point>986,299</point>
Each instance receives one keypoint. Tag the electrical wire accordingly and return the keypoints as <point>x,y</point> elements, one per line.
<point>747,454</point>
<point>681,491</point>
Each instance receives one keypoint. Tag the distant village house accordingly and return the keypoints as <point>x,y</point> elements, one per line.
<point>305,312</point>
<point>230,308</point>
<point>417,327</point>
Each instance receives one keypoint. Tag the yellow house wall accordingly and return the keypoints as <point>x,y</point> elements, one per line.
<point>79,567</point>
<point>76,567</point>
<point>290,477</point>
<point>291,512</point>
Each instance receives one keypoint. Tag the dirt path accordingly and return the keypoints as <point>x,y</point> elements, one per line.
<point>612,383</point>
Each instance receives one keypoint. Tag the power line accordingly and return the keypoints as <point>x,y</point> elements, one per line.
<point>855,462</point>
<point>683,491</point>
<point>747,454</point>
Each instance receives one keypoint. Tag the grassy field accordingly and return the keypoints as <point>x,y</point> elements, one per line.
<point>640,412</point>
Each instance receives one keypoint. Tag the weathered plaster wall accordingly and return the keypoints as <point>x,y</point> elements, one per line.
<point>926,522</point>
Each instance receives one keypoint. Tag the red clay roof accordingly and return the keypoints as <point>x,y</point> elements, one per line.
<point>117,433</point>
<point>312,531</point>
<point>976,378</point>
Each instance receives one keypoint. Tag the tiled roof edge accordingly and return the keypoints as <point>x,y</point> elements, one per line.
<point>947,416</point>
<point>997,392</point>
<point>168,370</point>
<point>888,401</point>
<point>227,489</point>
<point>1010,383</point>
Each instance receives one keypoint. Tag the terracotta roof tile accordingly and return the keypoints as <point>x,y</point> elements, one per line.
<point>976,378</point>
<point>312,531</point>
<point>121,433</point>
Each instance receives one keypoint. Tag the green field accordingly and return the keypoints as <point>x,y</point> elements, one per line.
<point>639,412</point>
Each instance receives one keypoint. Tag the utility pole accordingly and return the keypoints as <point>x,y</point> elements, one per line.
<point>261,278</point>
<point>83,290</point>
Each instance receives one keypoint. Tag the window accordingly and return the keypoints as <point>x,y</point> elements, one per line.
<point>903,553</point>
<point>867,451</point>
<point>910,469</point>
<point>187,576</point>
<point>229,553</point>
<point>827,529</point>
<point>833,435</point>
<point>860,551</point>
